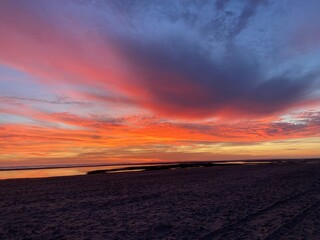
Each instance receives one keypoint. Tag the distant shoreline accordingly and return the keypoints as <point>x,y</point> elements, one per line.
<point>156,163</point>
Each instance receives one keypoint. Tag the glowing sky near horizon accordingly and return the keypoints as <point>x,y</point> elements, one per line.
<point>122,81</point>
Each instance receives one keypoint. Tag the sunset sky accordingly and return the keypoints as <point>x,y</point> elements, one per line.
<point>123,81</point>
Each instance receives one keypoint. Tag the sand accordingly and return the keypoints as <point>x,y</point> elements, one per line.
<point>273,201</point>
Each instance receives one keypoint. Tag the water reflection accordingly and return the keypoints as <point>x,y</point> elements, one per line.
<point>72,171</point>
<point>56,172</point>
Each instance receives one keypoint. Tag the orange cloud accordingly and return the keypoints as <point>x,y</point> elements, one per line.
<point>97,138</point>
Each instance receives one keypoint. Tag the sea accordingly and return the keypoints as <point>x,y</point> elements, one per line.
<point>59,171</point>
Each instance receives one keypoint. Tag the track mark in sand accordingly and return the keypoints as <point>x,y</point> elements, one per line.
<point>221,231</point>
<point>292,223</point>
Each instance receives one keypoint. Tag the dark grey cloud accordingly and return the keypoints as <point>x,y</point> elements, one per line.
<point>220,4</point>
<point>182,78</point>
<point>186,72</point>
<point>249,10</point>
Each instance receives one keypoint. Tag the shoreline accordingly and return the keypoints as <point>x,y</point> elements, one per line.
<point>76,170</point>
<point>17,168</point>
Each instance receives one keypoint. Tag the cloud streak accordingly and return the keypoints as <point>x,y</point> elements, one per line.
<point>137,139</point>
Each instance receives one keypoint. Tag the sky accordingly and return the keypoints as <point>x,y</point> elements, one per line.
<point>125,81</point>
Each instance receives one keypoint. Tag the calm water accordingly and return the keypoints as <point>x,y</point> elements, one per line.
<point>71,171</point>
<point>55,172</point>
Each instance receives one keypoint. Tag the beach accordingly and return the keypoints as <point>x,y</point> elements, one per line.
<point>266,201</point>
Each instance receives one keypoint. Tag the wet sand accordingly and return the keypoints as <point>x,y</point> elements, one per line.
<point>269,201</point>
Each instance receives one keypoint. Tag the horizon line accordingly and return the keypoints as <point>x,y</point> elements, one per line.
<point>39,167</point>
